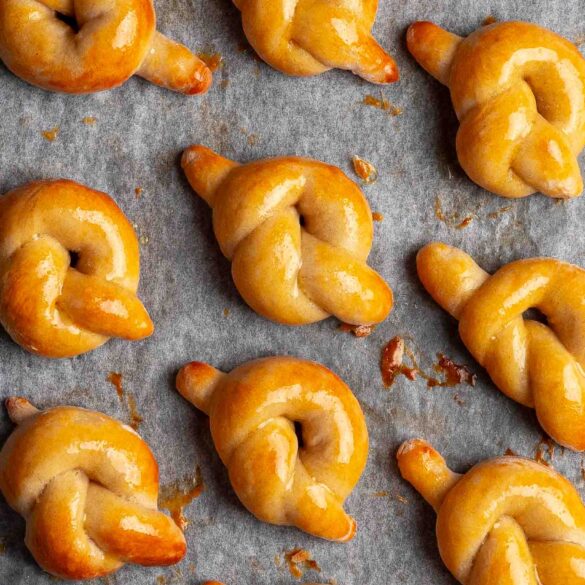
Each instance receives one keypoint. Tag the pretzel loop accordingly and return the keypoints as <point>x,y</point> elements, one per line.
<point>50,306</point>
<point>253,411</point>
<point>298,233</point>
<point>519,93</point>
<point>539,365</point>
<point>308,37</point>
<point>507,520</point>
<point>88,487</point>
<point>82,46</point>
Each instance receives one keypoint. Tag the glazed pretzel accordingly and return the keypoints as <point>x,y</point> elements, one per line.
<point>116,39</point>
<point>87,486</point>
<point>47,305</point>
<point>540,366</point>
<point>519,93</point>
<point>507,521</point>
<point>291,272</point>
<point>308,37</point>
<point>251,412</point>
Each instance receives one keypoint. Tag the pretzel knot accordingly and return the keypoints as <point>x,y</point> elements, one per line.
<point>69,269</point>
<point>83,46</point>
<point>507,520</point>
<point>308,37</point>
<point>298,233</point>
<point>539,365</point>
<point>519,93</point>
<point>87,486</point>
<point>280,478</point>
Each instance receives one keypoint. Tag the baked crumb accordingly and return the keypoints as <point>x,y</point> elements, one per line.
<point>465,222</point>
<point>51,135</point>
<point>365,170</point>
<point>455,374</point>
<point>358,330</point>
<point>300,560</point>
<point>383,104</point>
<point>498,212</point>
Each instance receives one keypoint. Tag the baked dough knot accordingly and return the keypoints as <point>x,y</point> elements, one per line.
<point>308,37</point>
<point>281,478</point>
<point>69,269</point>
<point>508,520</point>
<point>84,46</point>
<point>537,364</point>
<point>87,486</point>
<point>519,93</point>
<point>298,233</point>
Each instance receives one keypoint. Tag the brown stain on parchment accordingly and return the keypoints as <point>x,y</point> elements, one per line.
<point>298,561</point>
<point>545,451</point>
<point>451,220</point>
<point>449,373</point>
<point>175,497</point>
<point>213,60</point>
<point>383,104</point>
<point>127,399</point>
<point>459,221</point>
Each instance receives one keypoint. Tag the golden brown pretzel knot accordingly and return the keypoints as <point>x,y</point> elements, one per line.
<point>507,521</point>
<point>48,305</point>
<point>308,37</point>
<point>538,365</point>
<point>519,93</point>
<point>87,486</point>
<point>252,411</point>
<point>108,42</point>
<point>298,233</point>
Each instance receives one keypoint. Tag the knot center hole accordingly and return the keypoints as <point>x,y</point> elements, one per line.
<point>299,434</point>
<point>70,21</point>
<point>73,258</point>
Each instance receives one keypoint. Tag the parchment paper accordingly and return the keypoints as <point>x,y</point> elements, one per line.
<point>254,112</point>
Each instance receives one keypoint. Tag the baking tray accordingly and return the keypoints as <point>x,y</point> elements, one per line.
<point>253,112</point>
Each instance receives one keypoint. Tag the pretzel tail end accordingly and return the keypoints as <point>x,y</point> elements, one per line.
<point>433,48</point>
<point>205,170</point>
<point>19,409</point>
<point>425,469</point>
<point>172,65</point>
<point>375,65</point>
<point>449,275</point>
<point>196,383</point>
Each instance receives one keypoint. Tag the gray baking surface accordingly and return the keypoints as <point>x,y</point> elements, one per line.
<point>253,112</point>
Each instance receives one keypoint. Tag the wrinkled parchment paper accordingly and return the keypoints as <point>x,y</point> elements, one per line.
<point>253,112</point>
